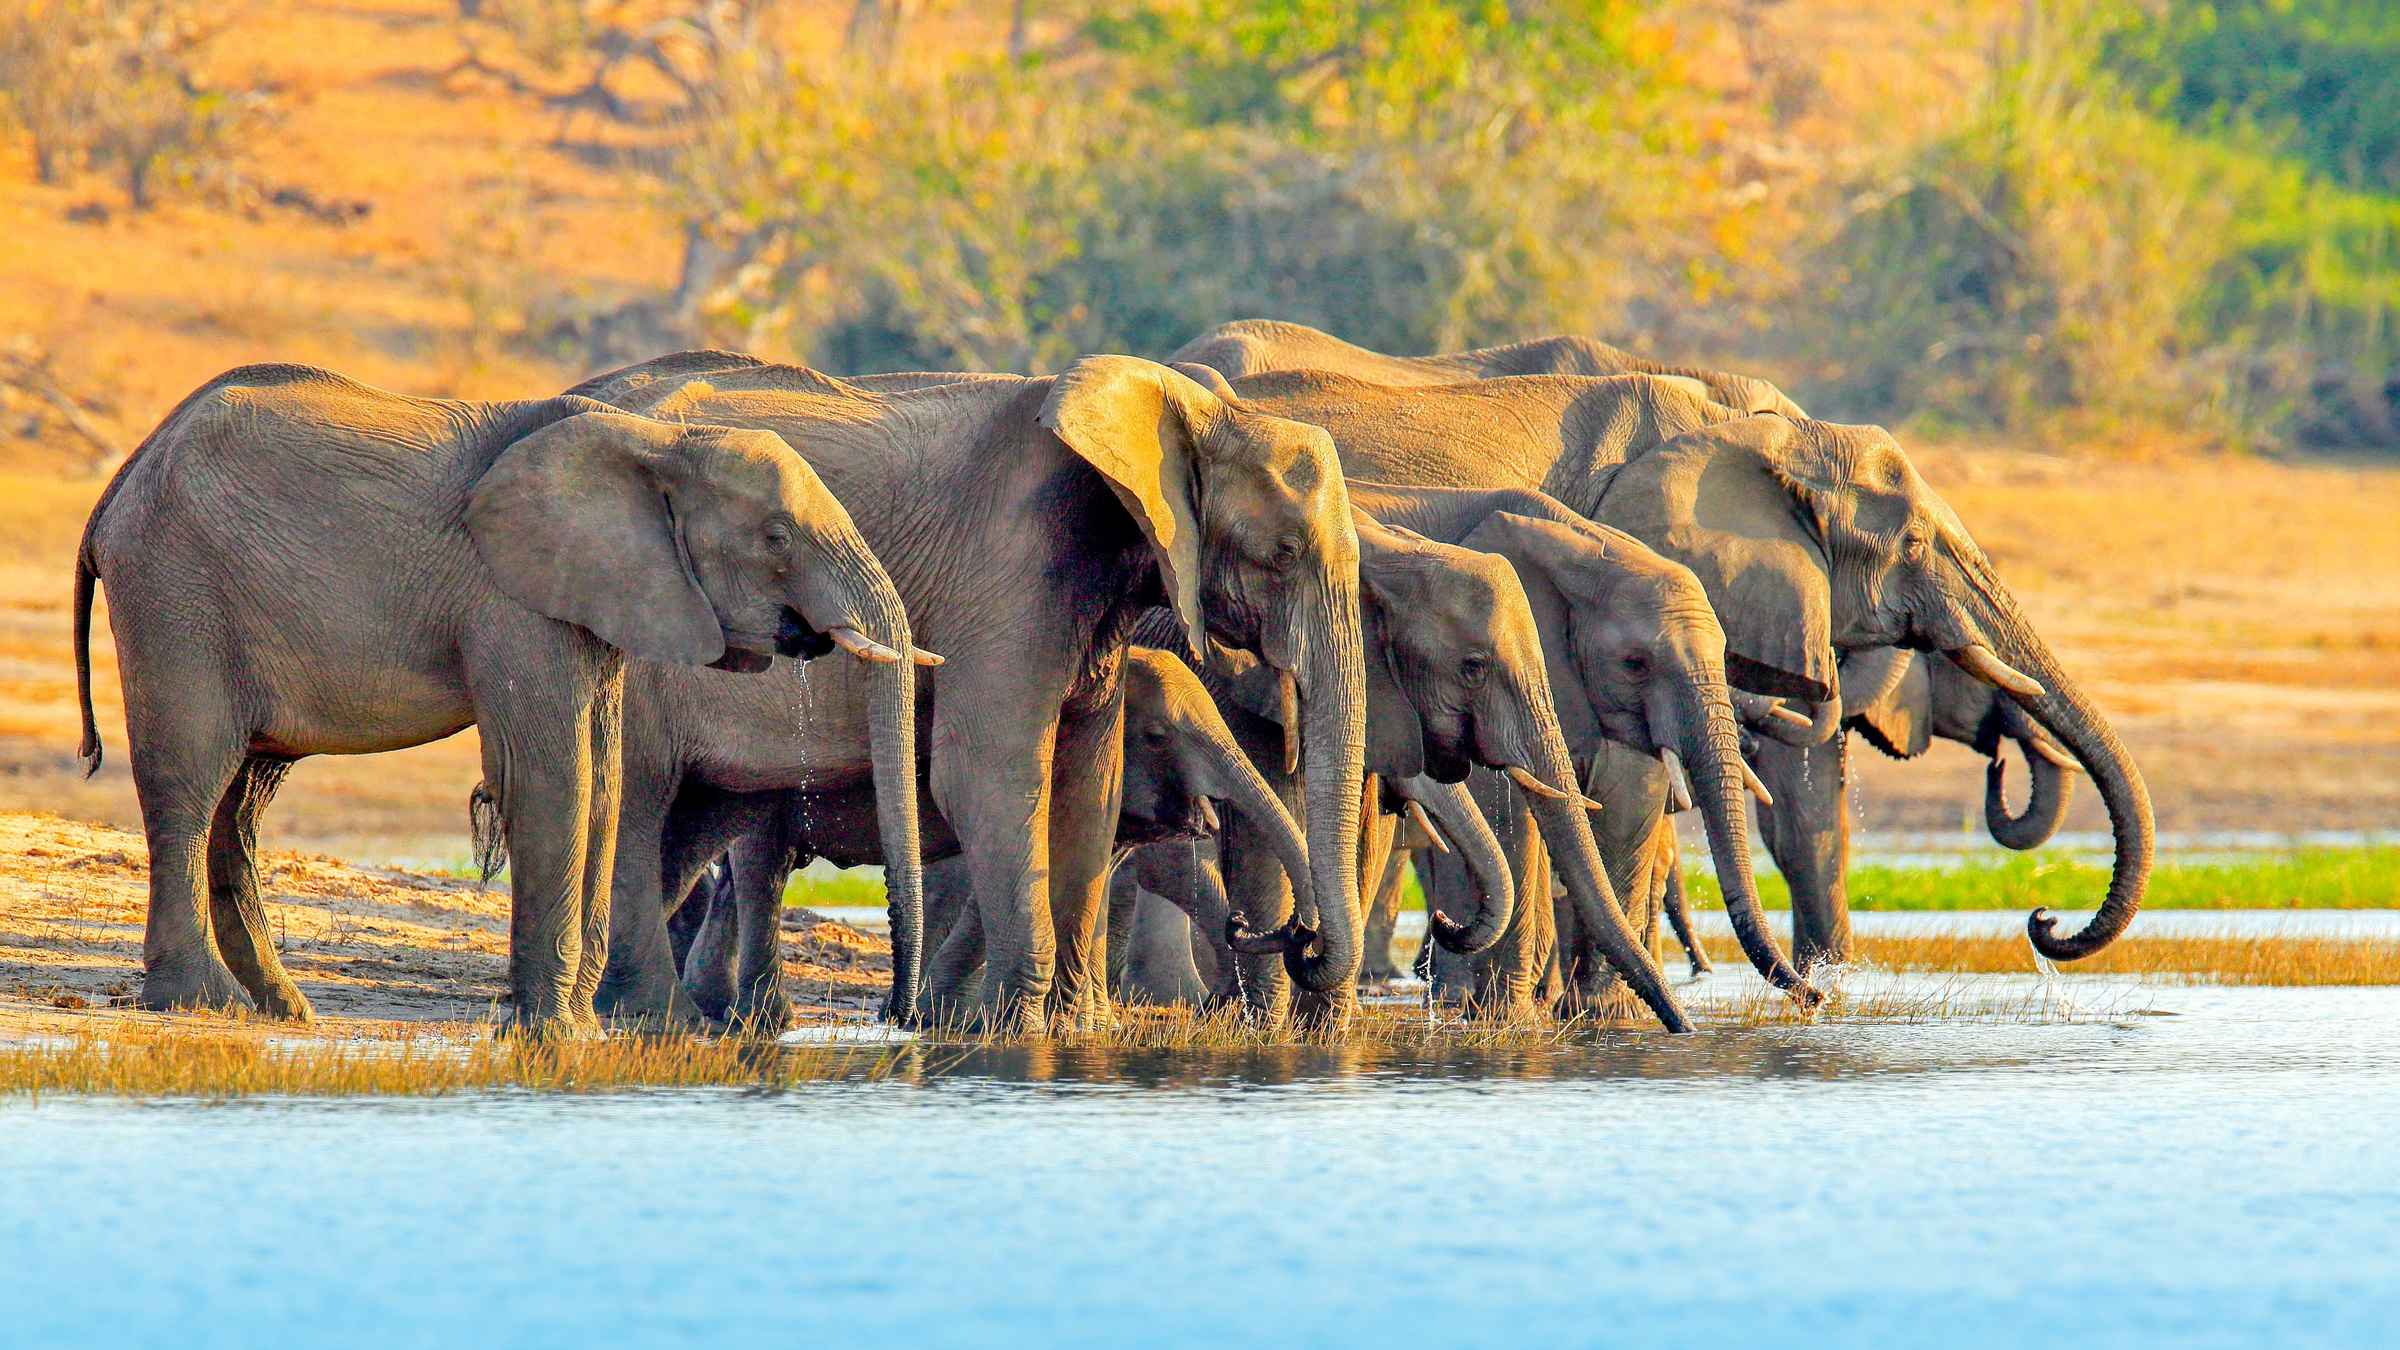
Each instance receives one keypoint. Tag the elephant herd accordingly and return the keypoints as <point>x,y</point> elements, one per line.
<point>1224,644</point>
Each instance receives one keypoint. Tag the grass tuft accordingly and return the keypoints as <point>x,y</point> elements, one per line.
<point>171,1062</point>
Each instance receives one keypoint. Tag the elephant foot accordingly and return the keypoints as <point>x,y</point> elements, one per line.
<point>282,998</point>
<point>714,1000</point>
<point>552,1028</point>
<point>1329,1012</point>
<point>199,982</point>
<point>761,1010</point>
<point>1613,1004</point>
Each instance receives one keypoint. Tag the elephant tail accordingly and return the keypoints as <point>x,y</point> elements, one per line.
<point>87,579</point>
<point>487,832</point>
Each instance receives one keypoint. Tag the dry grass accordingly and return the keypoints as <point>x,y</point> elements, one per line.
<point>150,1061</point>
<point>2221,959</point>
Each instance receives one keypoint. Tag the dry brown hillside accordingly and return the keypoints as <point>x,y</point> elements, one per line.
<point>2240,617</point>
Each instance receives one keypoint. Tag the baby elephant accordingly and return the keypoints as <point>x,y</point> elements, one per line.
<point>298,564</point>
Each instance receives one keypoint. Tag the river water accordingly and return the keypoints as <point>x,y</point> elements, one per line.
<point>2163,1165</point>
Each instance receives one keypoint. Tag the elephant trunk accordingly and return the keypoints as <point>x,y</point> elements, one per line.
<point>1567,832</point>
<point>860,596</point>
<point>1711,745</point>
<point>2068,715</point>
<point>1239,783</point>
<point>1333,691</point>
<point>2053,791</point>
<point>1453,810</point>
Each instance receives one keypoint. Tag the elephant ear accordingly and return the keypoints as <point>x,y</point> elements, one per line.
<point>1138,423</point>
<point>1893,701</point>
<point>573,521</point>
<point>1718,500</point>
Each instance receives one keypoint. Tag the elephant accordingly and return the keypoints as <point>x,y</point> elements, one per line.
<point>299,564</point>
<point>1810,538</point>
<point>1458,677</point>
<point>1897,700</point>
<point>1257,346</point>
<point>1027,522</point>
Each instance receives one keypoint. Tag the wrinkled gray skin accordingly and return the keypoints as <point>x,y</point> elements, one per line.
<point>1026,522</point>
<point>1458,677</point>
<point>1898,701</point>
<point>1636,658</point>
<point>1810,538</point>
<point>298,564</point>
<point>1258,346</point>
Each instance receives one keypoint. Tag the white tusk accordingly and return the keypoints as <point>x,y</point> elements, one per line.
<point>863,647</point>
<point>1287,698</point>
<point>1537,787</point>
<point>1750,780</point>
<point>1208,816</point>
<point>923,657</point>
<point>1415,811</point>
<point>2043,746</point>
<point>1679,787</point>
<point>1781,713</point>
<point>1977,660</point>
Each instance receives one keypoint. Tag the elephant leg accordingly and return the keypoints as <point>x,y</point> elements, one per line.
<point>186,751</point>
<point>991,780</point>
<point>953,937</point>
<point>639,980</point>
<point>1087,790</point>
<point>688,920</point>
<point>605,735</point>
<point>1807,833</point>
<point>707,927</point>
<point>1383,917</point>
<point>762,863</point>
<point>1123,893</point>
<point>1160,968</point>
<point>1673,900</point>
<point>538,758</point>
<point>240,915</point>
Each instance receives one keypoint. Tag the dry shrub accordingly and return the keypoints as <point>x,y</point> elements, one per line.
<point>115,84</point>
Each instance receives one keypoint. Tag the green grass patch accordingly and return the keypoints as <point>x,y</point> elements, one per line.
<point>2309,878</point>
<point>2315,878</point>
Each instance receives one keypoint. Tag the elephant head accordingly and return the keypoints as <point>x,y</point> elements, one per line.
<point>1813,539</point>
<point>1451,631</point>
<point>1181,759</point>
<point>1251,525</point>
<point>1899,700</point>
<point>706,545</point>
<point>1632,642</point>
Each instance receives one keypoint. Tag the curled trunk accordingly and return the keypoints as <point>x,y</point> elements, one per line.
<point>1464,828</point>
<point>2069,716</point>
<point>2053,790</point>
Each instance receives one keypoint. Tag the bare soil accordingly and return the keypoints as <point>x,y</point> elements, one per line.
<point>369,945</point>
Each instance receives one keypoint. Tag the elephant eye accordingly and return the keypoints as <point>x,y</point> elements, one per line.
<point>1916,546</point>
<point>1473,671</point>
<point>1154,735</point>
<point>779,537</point>
<point>1637,663</point>
<point>1287,552</point>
